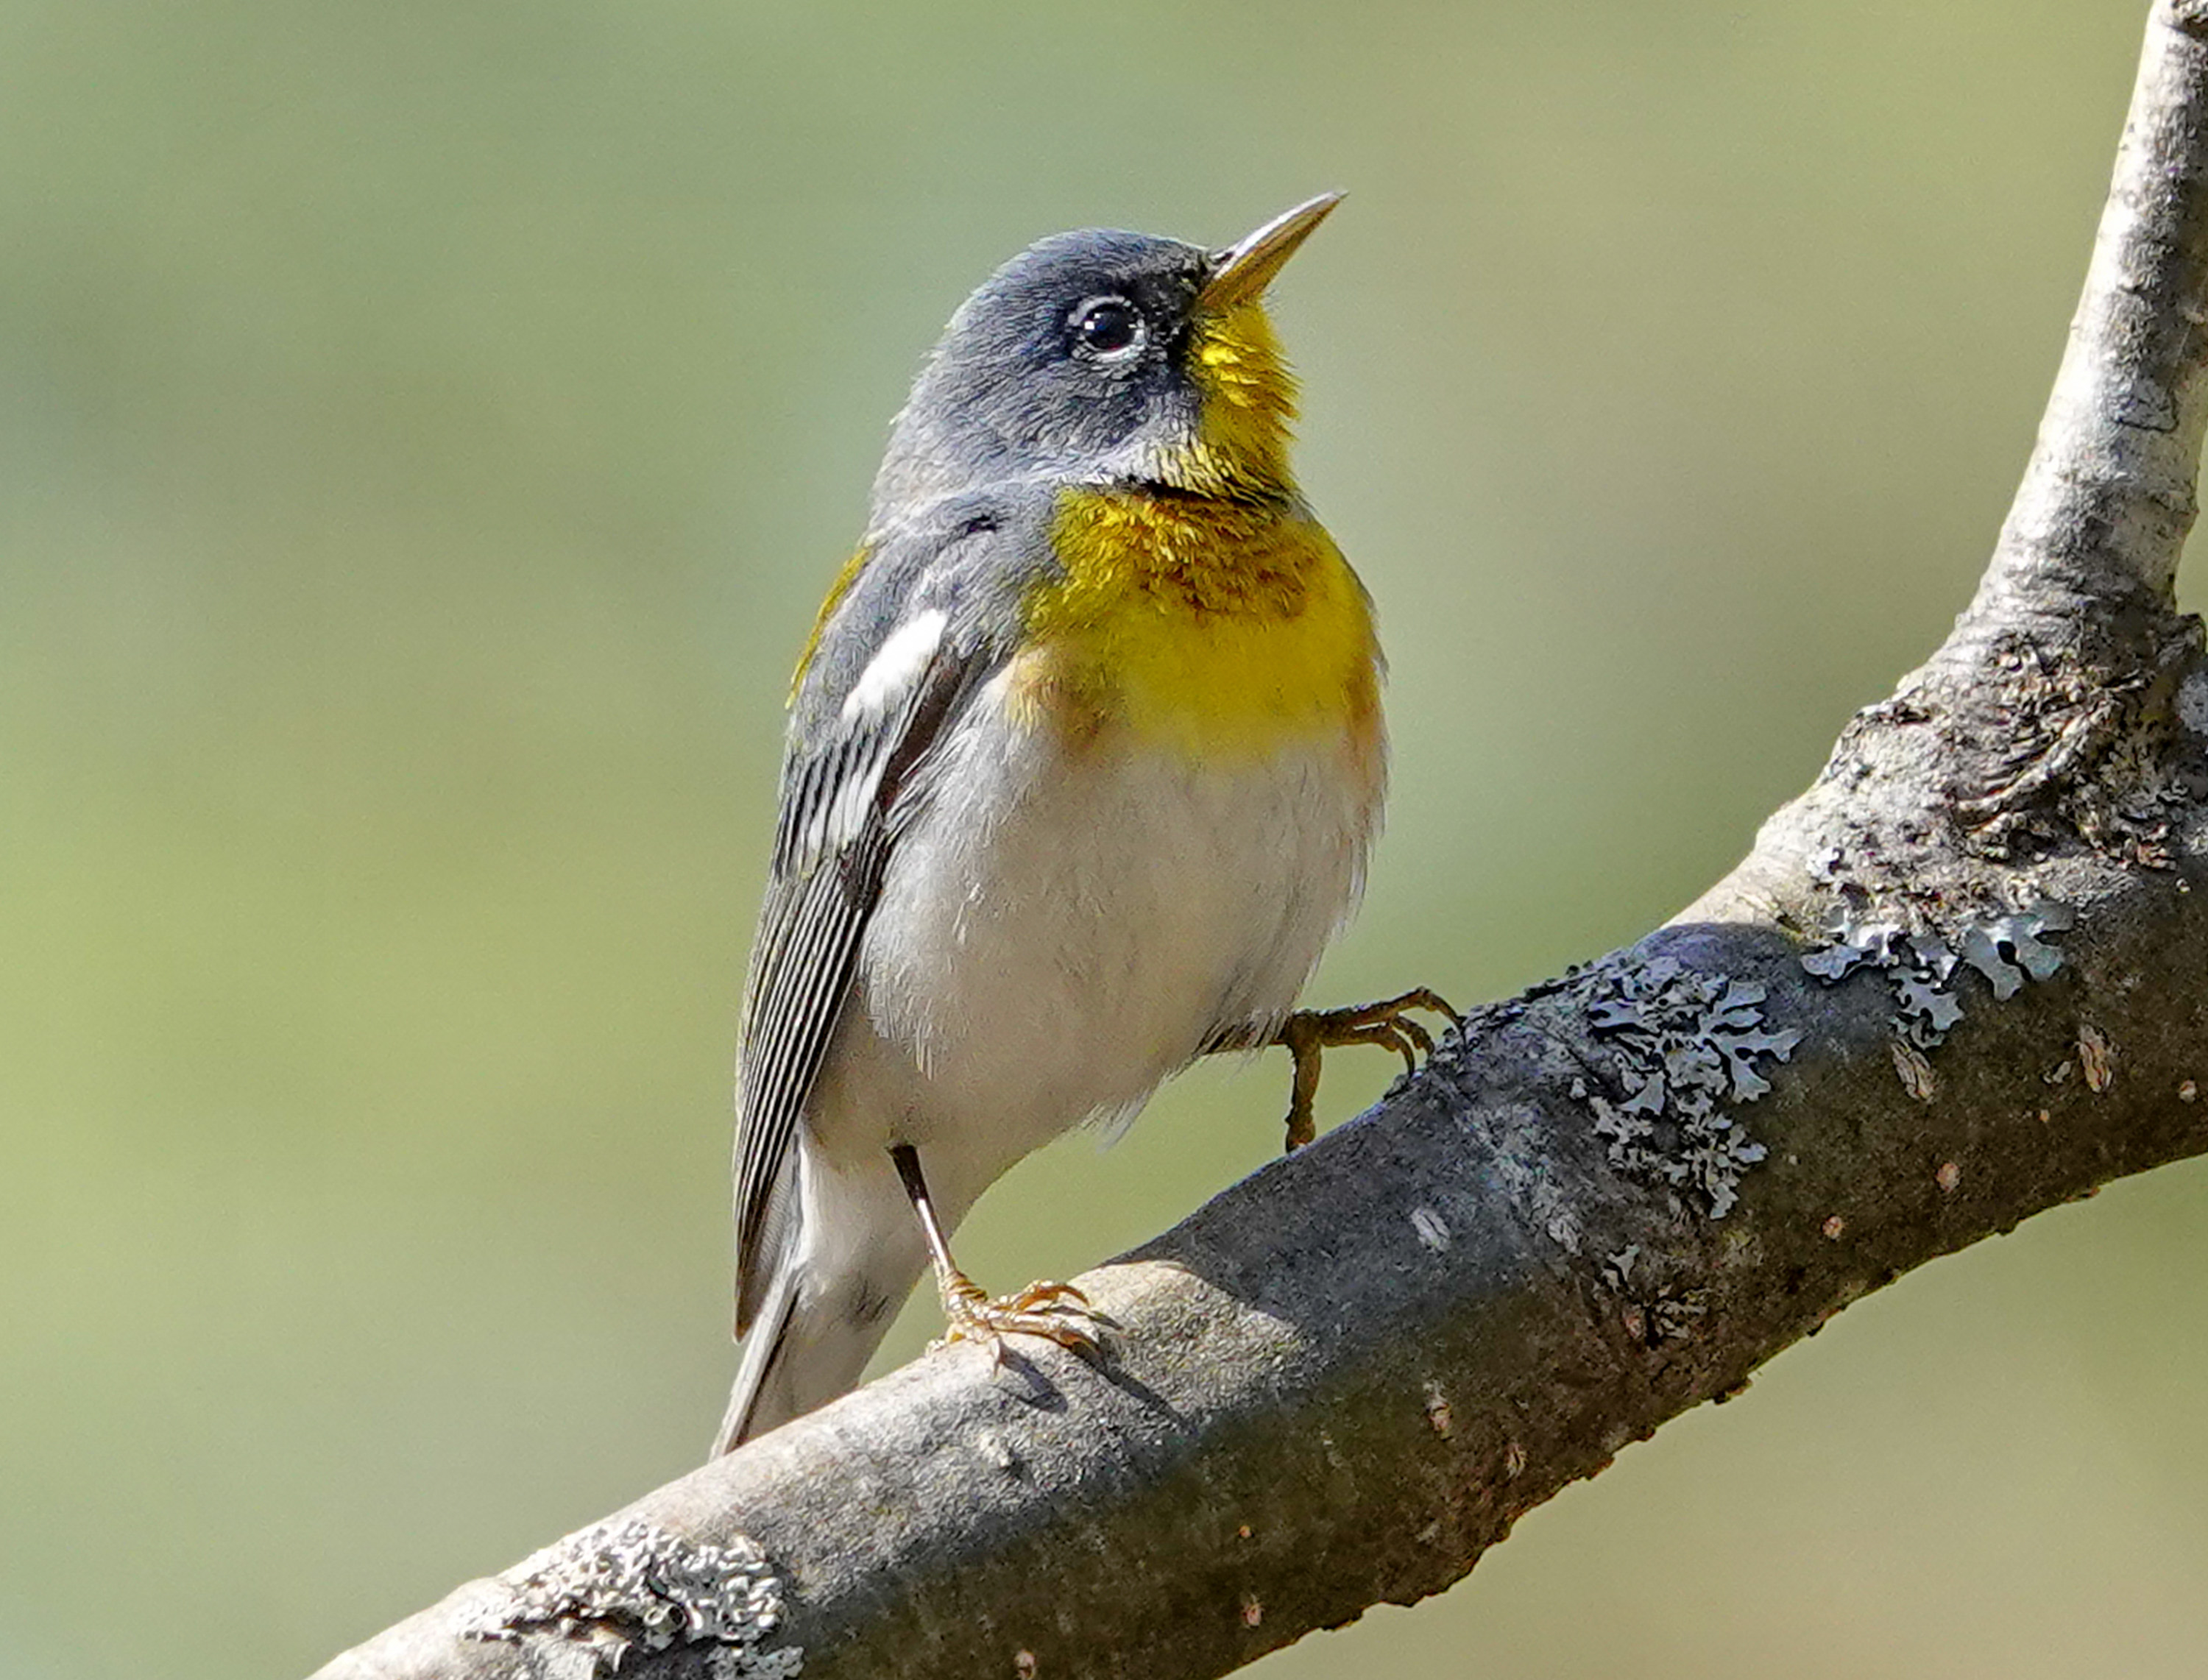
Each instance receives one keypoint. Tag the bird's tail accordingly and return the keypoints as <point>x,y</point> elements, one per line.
<point>811,1329</point>
<point>764,1349</point>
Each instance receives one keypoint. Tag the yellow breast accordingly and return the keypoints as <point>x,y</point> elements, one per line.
<point>1216,627</point>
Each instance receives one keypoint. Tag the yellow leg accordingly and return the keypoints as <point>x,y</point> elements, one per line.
<point>1056,1311</point>
<point>1308,1033</point>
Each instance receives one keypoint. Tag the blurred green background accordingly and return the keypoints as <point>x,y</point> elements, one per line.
<point>424,432</point>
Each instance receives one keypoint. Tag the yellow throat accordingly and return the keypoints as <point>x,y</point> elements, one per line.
<point>1221,621</point>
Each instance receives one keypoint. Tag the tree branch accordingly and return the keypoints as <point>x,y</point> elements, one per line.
<point>1957,981</point>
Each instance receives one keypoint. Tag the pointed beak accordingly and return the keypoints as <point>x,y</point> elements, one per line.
<point>1243,271</point>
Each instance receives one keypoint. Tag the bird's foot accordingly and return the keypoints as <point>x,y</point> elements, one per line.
<point>1308,1033</point>
<point>1057,1312</point>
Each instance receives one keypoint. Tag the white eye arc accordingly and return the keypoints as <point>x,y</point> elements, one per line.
<point>1108,327</point>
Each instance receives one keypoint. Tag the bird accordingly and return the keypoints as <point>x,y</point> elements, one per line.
<point>1084,761</point>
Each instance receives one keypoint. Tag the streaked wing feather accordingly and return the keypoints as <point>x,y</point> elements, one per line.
<point>842,806</point>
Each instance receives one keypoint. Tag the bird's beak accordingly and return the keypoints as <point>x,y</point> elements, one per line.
<point>1243,271</point>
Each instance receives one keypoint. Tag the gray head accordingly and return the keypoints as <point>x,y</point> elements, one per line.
<point>1102,354</point>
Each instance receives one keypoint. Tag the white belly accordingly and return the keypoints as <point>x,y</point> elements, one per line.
<point>1067,927</point>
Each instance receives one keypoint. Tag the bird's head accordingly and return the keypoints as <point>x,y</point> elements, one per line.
<point>1102,355</point>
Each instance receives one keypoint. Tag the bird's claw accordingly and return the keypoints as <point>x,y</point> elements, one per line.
<point>1308,1033</point>
<point>1057,1313</point>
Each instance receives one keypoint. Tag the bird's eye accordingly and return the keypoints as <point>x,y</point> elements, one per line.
<point>1106,326</point>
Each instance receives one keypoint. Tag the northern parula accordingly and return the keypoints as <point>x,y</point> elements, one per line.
<point>1084,757</point>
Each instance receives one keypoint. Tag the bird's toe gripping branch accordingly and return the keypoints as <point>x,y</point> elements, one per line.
<point>1308,1033</point>
<point>1057,1312</point>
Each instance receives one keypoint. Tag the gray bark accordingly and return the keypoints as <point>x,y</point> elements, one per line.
<point>1960,980</point>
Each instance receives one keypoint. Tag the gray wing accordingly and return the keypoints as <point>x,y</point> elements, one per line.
<point>857,772</point>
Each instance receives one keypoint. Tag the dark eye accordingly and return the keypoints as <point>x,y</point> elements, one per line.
<point>1106,326</point>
